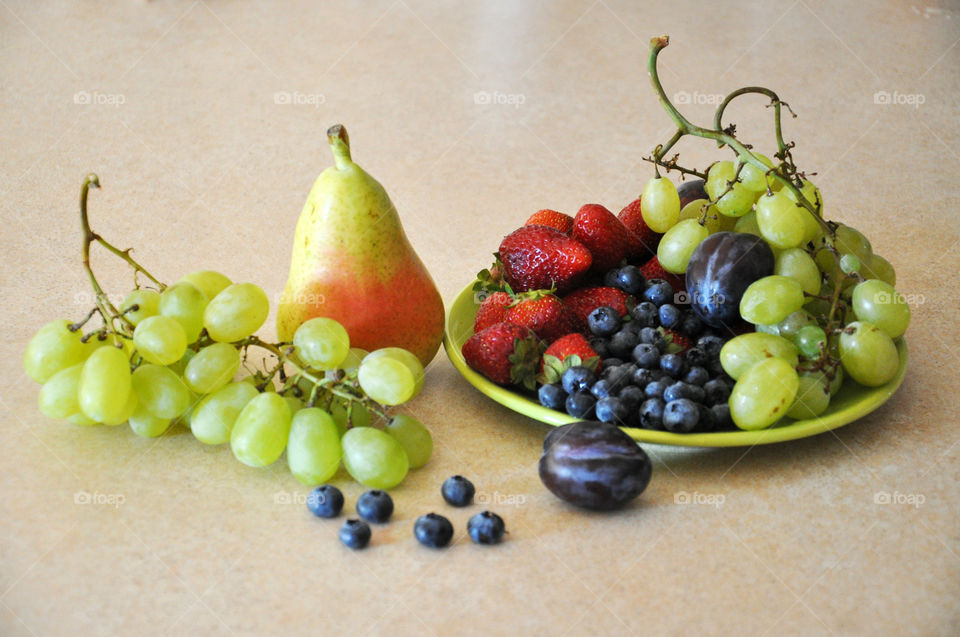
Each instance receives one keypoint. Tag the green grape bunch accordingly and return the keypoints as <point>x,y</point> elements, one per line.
<point>181,354</point>
<point>827,314</point>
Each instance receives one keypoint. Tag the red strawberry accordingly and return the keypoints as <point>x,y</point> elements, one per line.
<point>540,258</point>
<point>585,300</point>
<point>505,353</point>
<point>607,238</point>
<point>653,270</point>
<point>567,351</point>
<point>560,221</point>
<point>492,310</point>
<point>543,313</point>
<point>678,342</point>
<point>631,218</point>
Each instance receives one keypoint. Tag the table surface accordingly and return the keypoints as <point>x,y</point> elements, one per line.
<point>206,124</point>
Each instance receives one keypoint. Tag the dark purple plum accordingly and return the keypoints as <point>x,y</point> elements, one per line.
<point>720,270</point>
<point>594,465</point>
<point>691,190</point>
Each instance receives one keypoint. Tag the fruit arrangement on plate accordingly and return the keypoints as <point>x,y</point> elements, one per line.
<point>724,306</point>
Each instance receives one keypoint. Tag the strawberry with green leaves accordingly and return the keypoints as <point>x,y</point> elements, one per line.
<point>506,353</point>
<point>540,258</point>
<point>571,350</point>
<point>542,312</point>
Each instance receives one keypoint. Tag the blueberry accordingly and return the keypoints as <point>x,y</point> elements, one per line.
<point>486,528</point>
<point>610,278</point>
<point>576,379</point>
<point>603,321</point>
<point>696,356</point>
<point>601,346</point>
<point>552,396</point>
<point>375,506</point>
<point>680,416</point>
<point>653,337</point>
<point>669,315</point>
<point>715,367</point>
<point>655,389</point>
<point>601,388</point>
<point>611,410</point>
<point>711,344</point>
<point>690,324</point>
<point>681,389</point>
<point>326,501</point>
<point>672,365</point>
<point>580,404</point>
<point>717,391</point>
<point>355,534</point>
<point>623,342</point>
<point>630,279</point>
<point>651,413</point>
<point>697,376</point>
<point>631,396</point>
<point>706,421</point>
<point>658,292</point>
<point>646,356</point>
<point>643,376</point>
<point>458,491</point>
<point>610,363</point>
<point>721,416</point>
<point>645,314</point>
<point>432,530</point>
<point>619,377</point>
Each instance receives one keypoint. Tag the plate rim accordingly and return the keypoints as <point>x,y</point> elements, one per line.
<point>518,403</point>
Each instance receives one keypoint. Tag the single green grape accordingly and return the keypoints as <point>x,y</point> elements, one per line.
<point>353,359</point>
<point>391,375</point>
<point>868,354</point>
<point>313,449</point>
<point>849,263</point>
<point>214,417</point>
<point>58,396</point>
<point>147,302</point>
<point>294,403</point>
<point>813,396</point>
<point>210,282</point>
<point>771,299</point>
<point>105,384</point>
<point>788,327</point>
<point>145,424</point>
<point>161,391</point>
<point>812,194</point>
<point>800,266</point>
<point>160,340</point>
<point>810,339</point>
<point>769,329</point>
<point>678,244</point>
<point>752,177</point>
<point>213,367</point>
<point>236,313</point>
<point>260,433</point>
<point>747,224</point>
<point>128,408</point>
<point>322,343</point>
<point>877,302</point>
<point>712,219</point>
<point>764,394</point>
<point>742,352</point>
<point>850,240</point>
<point>184,302</point>
<point>733,203</point>
<point>53,348</point>
<point>374,458</point>
<point>413,437</point>
<point>660,204</point>
<point>880,268</point>
<point>781,221</point>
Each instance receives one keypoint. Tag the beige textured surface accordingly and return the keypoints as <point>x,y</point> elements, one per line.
<point>201,167</point>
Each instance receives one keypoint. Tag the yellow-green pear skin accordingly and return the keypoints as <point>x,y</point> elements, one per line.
<point>352,262</point>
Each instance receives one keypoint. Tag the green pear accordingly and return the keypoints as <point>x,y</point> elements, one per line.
<point>352,262</point>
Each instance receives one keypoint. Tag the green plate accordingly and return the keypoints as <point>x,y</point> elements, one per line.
<point>850,403</point>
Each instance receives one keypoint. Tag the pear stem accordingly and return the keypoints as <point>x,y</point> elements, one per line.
<point>340,145</point>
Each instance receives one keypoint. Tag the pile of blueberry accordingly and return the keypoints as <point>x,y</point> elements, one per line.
<point>645,382</point>
<point>432,529</point>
